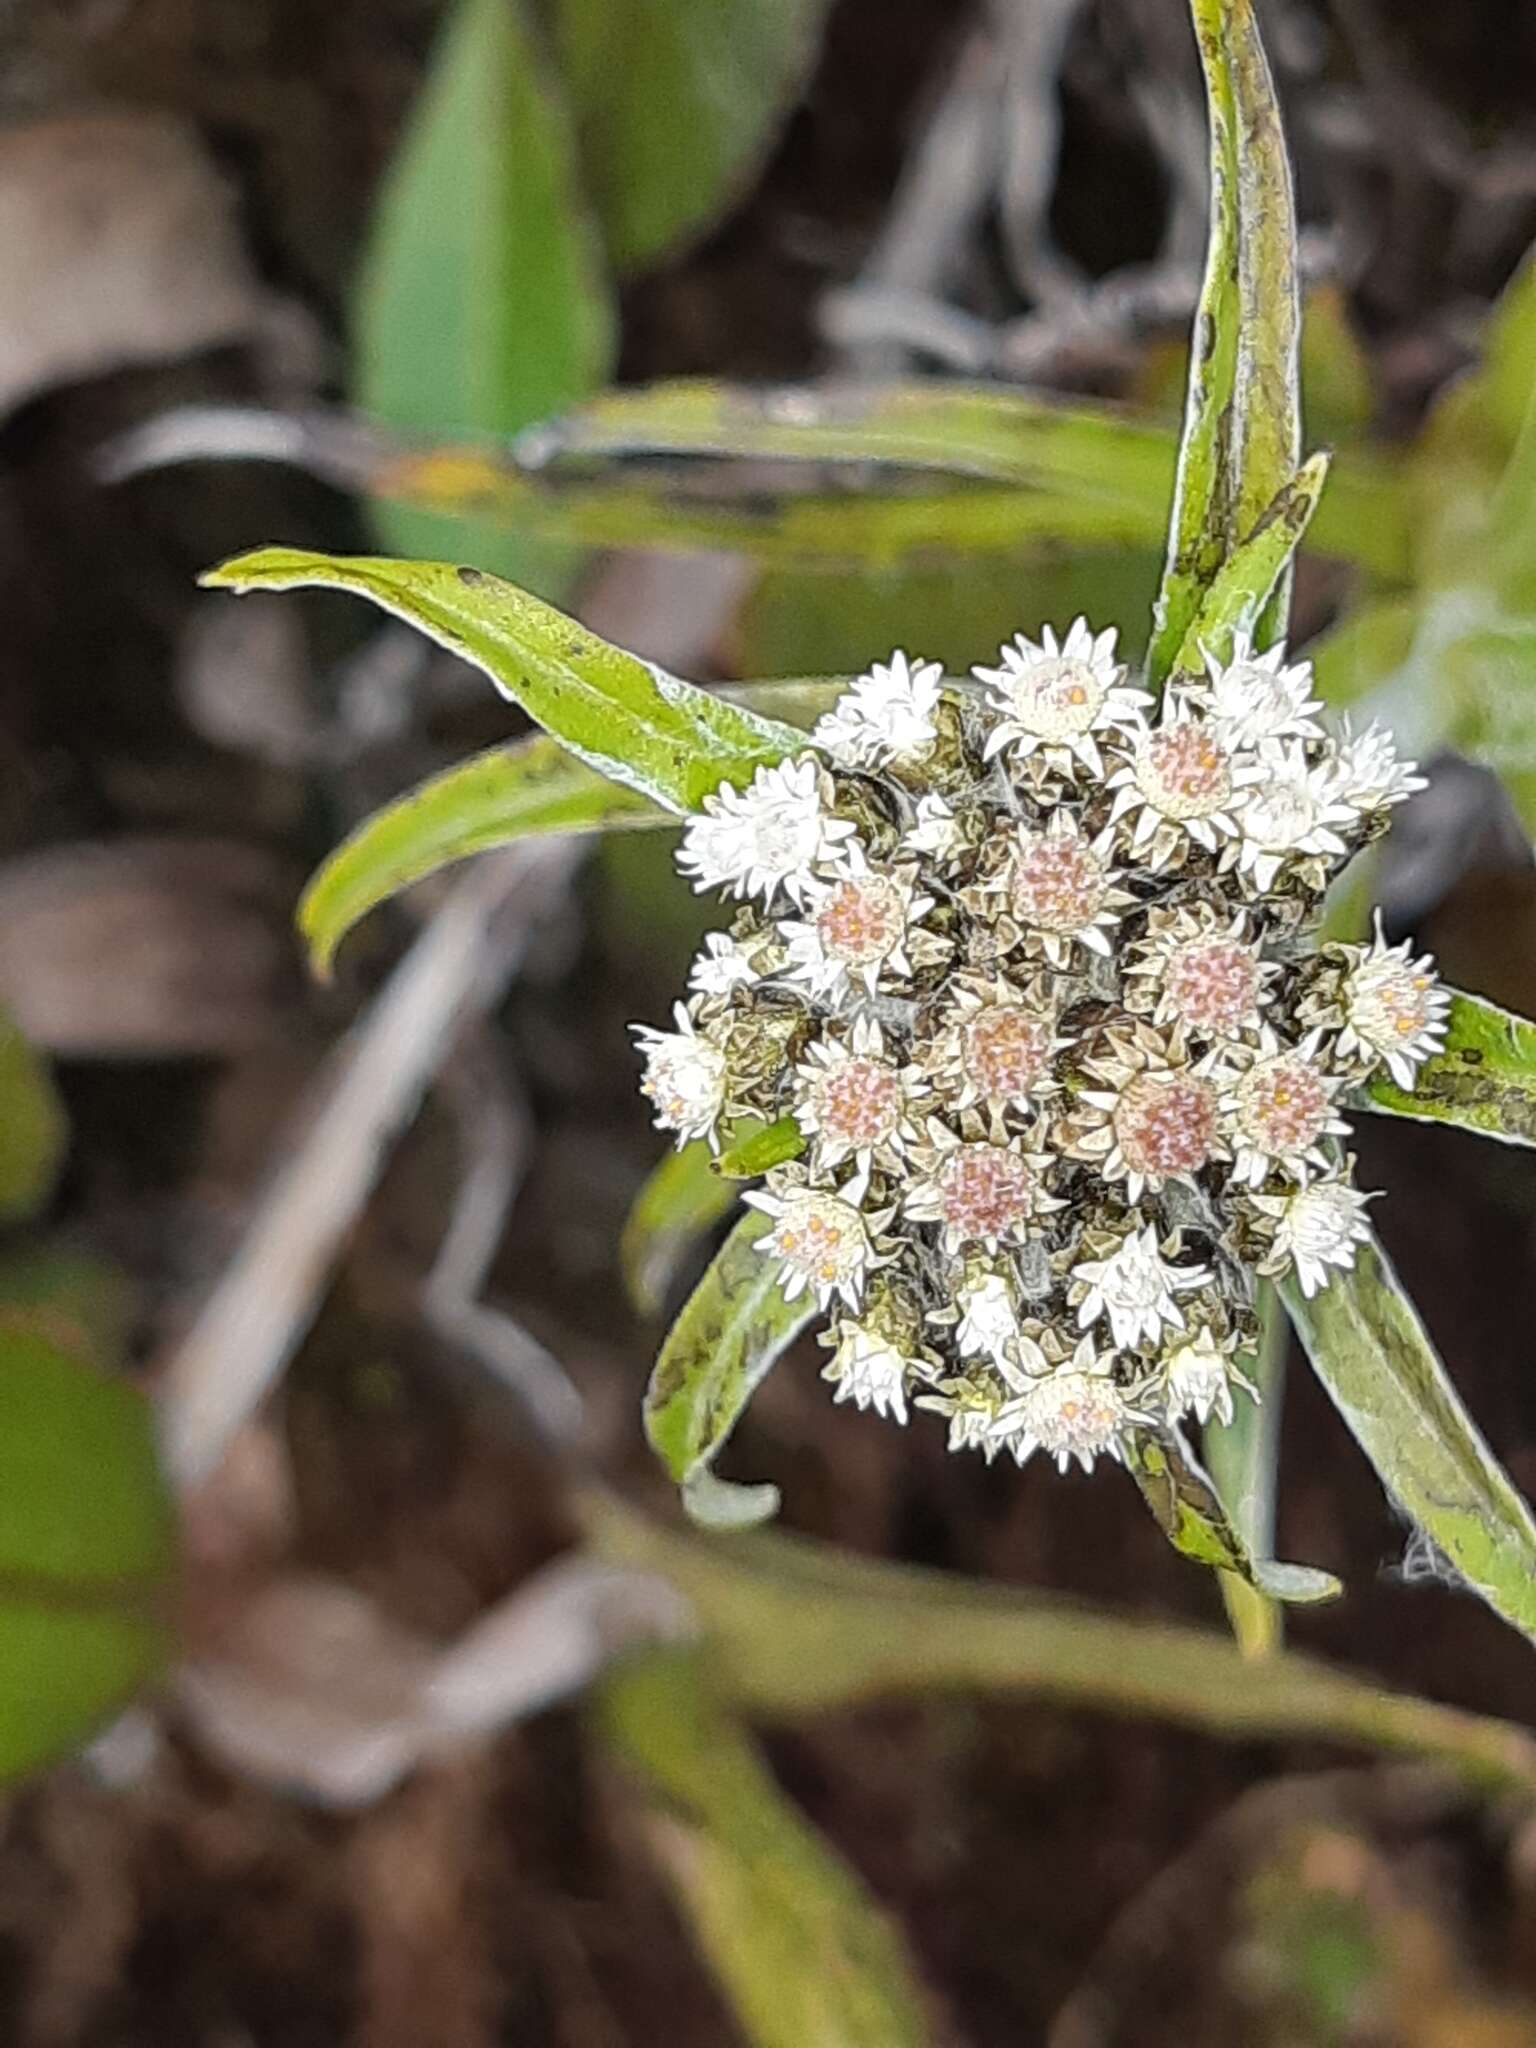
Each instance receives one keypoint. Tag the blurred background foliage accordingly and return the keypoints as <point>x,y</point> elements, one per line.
<point>960,243</point>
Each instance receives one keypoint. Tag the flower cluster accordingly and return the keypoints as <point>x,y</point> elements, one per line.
<point>1030,960</point>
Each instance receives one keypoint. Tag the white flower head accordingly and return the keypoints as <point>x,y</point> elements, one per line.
<point>822,1241</point>
<point>982,1190</point>
<point>1279,1109</point>
<point>1292,813</point>
<point>1057,698</point>
<point>995,1044</point>
<point>1369,774</point>
<point>769,836</point>
<point>1395,1011</point>
<point>858,929</point>
<point>935,830</point>
<point>1198,1378</point>
<point>722,964</point>
<point>1200,970</point>
<point>888,715</point>
<point>1180,787</point>
<point>1076,1411</point>
<point>1317,1229</point>
<point>867,1368</point>
<point>1255,698</point>
<point>1135,1287</point>
<point>1156,1119</point>
<point>685,1078</point>
<point>1062,889</point>
<point>854,1100</point>
<point>985,1313</point>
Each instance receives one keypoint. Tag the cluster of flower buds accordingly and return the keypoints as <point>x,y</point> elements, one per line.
<point>1032,964</point>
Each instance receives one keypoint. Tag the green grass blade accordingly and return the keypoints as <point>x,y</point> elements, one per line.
<point>1371,1352</point>
<point>928,470</point>
<point>804,1956</point>
<point>732,1331</point>
<point>1485,1080</point>
<point>795,1627</point>
<point>1241,441</point>
<point>506,793</point>
<point>631,722</point>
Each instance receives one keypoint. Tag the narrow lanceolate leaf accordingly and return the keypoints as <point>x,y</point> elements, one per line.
<point>633,723</point>
<point>1485,1080</point>
<point>1242,426</point>
<point>734,1328</point>
<point>681,1199</point>
<point>482,301</point>
<point>1192,1515</point>
<point>1245,585</point>
<point>33,1131</point>
<point>675,103</point>
<point>86,1548</point>
<point>803,1955</point>
<point>1371,1352</point>
<point>506,793</point>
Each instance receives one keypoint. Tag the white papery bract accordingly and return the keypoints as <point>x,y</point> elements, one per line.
<point>1059,699</point>
<point>1198,1378</point>
<point>1317,1229</point>
<point>887,717</point>
<point>766,837</point>
<point>1134,1288</point>
<point>1391,1010</point>
<point>869,1370</point>
<point>1368,774</point>
<point>1076,1411</point>
<point>1033,967</point>
<point>684,1077</point>
<point>1254,698</point>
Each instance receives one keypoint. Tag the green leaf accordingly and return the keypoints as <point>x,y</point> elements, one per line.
<point>1192,1515</point>
<point>86,1549</point>
<point>733,1329</point>
<point>633,723</point>
<point>482,304</point>
<point>804,1956</point>
<point>1241,441</point>
<point>681,1199</point>
<point>1247,582</point>
<point>922,456</point>
<point>1243,1457</point>
<point>1364,650</point>
<point>676,103</point>
<point>77,1301</point>
<point>1485,1080</point>
<point>33,1131</point>
<point>1370,1351</point>
<point>794,1627</point>
<point>799,620</point>
<point>745,1158</point>
<point>506,793</point>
